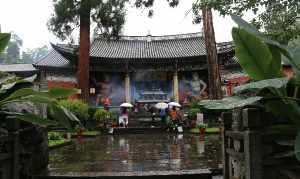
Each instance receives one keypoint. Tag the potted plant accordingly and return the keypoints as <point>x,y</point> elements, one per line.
<point>202,128</point>
<point>192,115</point>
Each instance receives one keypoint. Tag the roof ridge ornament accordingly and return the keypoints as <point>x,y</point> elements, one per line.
<point>149,37</point>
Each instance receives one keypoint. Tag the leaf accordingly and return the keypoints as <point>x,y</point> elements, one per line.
<point>254,56</point>
<point>282,129</point>
<point>63,116</point>
<point>4,39</point>
<point>62,92</point>
<point>14,81</point>
<point>262,84</point>
<point>229,103</point>
<point>21,93</point>
<point>271,43</point>
<point>297,146</point>
<point>35,119</point>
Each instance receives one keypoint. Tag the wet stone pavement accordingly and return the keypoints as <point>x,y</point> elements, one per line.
<point>137,154</point>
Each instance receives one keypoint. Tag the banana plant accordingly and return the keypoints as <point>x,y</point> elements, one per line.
<point>261,59</point>
<point>15,90</point>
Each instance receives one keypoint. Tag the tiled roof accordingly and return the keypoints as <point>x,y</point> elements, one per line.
<point>153,47</point>
<point>17,68</point>
<point>53,59</point>
<point>142,48</point>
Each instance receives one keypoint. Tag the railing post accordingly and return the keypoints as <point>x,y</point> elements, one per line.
<point>226,118</point>
<point>16,152</point>
<point>252,144</point>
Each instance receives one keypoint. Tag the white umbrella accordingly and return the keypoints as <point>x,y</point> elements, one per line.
<point>126,105</point>
<point>174,104</point>
<point>161,105</point>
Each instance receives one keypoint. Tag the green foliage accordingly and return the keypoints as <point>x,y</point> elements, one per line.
<point>229,102</point>
<point>264,58</point>
<point>257,87</point>
<point>102,115</point>
<point>54,136</point>
<point>278,18</point>
<point>108,17</point>
<point>12,92</point>
<point>269,91</point>
<point>77,107</point>
<point>4,39</point>
<point>203,126</point>
<point>193,113</point>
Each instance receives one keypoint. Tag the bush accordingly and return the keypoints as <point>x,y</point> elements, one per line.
<point>102,115</point>
<point>77,107</point>
<point>54,136</point>
<point>91,112</point>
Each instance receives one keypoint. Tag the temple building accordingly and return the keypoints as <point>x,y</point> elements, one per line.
<point>143,69</point>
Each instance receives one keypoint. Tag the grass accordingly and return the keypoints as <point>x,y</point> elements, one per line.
<point>208,130</point>
<point>57,142</point>
<point>91,133</point>
<point>88,133</point>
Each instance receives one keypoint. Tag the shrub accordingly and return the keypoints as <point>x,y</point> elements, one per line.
<point>91,112</point>
<point>54,136</point>
<point>102,115</point>
<point>77,107</point>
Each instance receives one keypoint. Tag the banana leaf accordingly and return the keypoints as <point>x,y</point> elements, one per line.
<point>271,43</point>
<point>255,56</point>
<point>262,84</point>
<point>229,103</point>
<point>35,119</point>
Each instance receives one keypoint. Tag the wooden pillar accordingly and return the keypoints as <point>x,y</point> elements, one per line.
<point>175,87</point>
<point>127,88</point>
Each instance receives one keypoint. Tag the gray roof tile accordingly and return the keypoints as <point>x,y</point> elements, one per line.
<point>53,59</point>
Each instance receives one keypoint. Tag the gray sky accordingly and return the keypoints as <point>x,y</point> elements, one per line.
<point>28,19</point>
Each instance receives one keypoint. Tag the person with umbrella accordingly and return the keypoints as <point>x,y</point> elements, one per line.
<point>123,119</point>
<point>162,107</point>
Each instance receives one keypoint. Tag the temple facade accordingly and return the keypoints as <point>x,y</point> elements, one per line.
<point>143,69</point>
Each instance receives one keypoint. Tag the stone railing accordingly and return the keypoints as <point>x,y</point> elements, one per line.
<point>250,152</point>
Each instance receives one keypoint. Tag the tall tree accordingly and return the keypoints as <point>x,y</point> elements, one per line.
<point>12,54</point>
<point>108,15</point>
<point>277,18</point>
<point>214,80</point>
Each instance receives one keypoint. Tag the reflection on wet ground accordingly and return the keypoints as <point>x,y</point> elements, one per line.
<point>137,153</point>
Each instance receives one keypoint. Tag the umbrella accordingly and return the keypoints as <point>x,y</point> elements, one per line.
<point>161,105</point>
<point>126,105</point>
<point>174,104</point>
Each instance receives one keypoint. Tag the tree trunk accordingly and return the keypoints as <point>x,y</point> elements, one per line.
<point>214,81</point>
<point>83,70</point>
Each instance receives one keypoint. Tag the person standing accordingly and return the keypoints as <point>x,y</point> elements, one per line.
<point>173,115</point>
<point>152,111</point>
<point>162,113</point>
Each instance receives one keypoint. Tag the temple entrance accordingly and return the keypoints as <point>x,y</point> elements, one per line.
<point>151,87</point>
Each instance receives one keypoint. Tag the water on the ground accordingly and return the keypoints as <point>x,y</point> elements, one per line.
<point>137,153</point>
